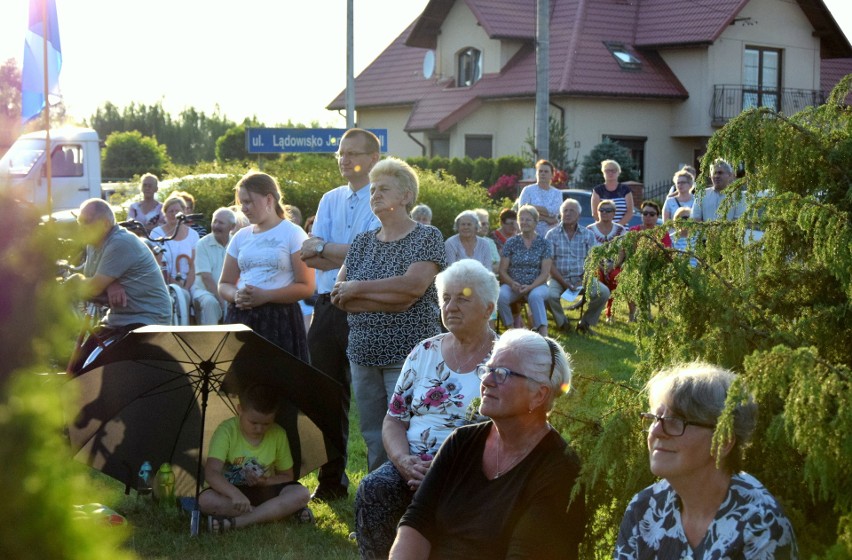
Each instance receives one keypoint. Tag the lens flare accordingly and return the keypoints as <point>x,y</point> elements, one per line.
<point>565,387</point>
<point>357,169</point>
<point>467,292</point>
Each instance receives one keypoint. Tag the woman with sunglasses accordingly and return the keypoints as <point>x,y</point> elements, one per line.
<point>704,506</point>
<point>502,488</point>
<point>606,229</point>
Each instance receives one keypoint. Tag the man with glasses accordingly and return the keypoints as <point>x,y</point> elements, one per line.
<point>571,245</point>
<point>343,213</point>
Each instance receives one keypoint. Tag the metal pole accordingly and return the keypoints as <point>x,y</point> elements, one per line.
<point>350,65</point>
<point>48,164</point>
<point>542,80</point>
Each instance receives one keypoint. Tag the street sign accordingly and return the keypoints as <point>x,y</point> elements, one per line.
<point>301,140</point>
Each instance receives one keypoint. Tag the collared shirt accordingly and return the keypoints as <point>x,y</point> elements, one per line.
<point>342,214</point>
<point>569,253</point>
<point>706,207</point>
<point>209,257</point>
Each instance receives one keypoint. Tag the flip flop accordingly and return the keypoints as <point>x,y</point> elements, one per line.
<point>223,523</point>
<point>305,516</point>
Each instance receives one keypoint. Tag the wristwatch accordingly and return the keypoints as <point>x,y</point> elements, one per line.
<point>320,248</point>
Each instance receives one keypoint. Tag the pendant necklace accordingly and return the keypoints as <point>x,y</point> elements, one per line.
<point>518,458</point>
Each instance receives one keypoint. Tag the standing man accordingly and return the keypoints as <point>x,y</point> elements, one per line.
<point>706,206</point>
<point>571,245</point>
<point>343,213</point>
<point>209,258</point>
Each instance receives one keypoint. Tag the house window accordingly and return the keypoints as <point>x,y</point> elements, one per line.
<point>439,146</point>
<point>636,145</point>
<point>470,67</point>
<point>477,145</point>
<point>626,60</point>
<point>761,78</point>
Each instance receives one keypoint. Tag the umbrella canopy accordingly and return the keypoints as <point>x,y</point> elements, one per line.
<point>159,393</point>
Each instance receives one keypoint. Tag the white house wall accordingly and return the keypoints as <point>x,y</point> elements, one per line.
<point>459,30</point>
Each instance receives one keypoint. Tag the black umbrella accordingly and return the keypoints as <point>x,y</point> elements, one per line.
<point>159,393</point>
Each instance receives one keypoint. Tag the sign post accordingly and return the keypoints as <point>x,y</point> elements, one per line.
<point>301,140</point>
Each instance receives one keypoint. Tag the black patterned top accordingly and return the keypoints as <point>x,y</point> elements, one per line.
<point>379,338</point>
<point>749,525</point>
<point>525,264</point>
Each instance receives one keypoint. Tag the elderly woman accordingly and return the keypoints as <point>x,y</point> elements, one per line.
<point>386,285</point>
<point>148,211</point>
<point>466,244</point>
<point>502,489</point>
<point>703,506</point>
<point>524,270</point>
<point>180,250</point>
<point>611,189</point>
<point>604,230</point>
<point>432,396</point>
<point>684,181</point>
<point>543,196</point>
<point>263,275</point>
<point>423,214</point>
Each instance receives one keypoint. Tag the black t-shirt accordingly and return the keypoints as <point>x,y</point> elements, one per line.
<point>523,514</point>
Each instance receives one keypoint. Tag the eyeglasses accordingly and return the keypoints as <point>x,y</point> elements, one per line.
<point>501,374</point>
<point>672,426</point>
<point>350,155</point>
<point>649,213</point>
<point>610,170</point>
<point>606,210</point>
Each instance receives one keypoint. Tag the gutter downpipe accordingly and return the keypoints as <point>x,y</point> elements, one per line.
<point>419,143</point>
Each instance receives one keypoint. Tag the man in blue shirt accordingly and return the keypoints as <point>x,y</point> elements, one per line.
<point>343,213</point>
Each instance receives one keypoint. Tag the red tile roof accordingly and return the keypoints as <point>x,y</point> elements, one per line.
<point>580,62</point>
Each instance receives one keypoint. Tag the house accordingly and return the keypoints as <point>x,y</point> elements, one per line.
<point>658,76</point>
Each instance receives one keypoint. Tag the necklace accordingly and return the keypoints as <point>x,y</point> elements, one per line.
<point>515,459</point>
<point>461,365</point>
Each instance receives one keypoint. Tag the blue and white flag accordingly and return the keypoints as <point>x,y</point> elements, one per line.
<point>43,23</point>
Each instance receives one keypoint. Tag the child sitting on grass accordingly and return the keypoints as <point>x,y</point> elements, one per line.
<point>249,468</point>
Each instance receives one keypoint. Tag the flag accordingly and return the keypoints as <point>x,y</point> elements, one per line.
<point>32,76</point>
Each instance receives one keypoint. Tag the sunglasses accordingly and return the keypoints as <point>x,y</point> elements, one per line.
<point>606,210</point>
<point>649,213</point>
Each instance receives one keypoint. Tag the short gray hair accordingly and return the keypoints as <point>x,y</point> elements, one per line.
<point>529,209</point>
<point>473,274</point>
<point>544,359</point>
<point>571,202</point>
<point>230,217</point>
<point>697,391</point>
<point>466,214</point>
<point>421,210</point>
<point>720,163</point>
<point>405,177</point>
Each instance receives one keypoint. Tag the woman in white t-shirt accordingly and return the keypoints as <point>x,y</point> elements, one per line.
<point>263,275</point>
<point>179,257</point>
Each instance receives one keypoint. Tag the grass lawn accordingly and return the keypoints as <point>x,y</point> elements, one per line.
<point>158,533</point>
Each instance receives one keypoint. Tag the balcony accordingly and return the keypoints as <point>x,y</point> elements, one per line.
<point>731,100</point>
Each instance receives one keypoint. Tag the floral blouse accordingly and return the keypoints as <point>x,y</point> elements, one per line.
<point>525,264</point>
<point>749,525</point>
<point>432,398</point>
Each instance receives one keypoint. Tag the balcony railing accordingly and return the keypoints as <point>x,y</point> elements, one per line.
<point>731,100</point>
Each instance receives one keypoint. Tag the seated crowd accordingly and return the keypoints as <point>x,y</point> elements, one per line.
<point>462,461</point>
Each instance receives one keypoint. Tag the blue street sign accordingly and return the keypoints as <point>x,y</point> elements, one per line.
<point>301,140</point>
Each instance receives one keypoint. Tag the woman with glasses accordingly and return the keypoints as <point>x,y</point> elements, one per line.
<point>619,193</point>
<point>704,506</point>
<point>432,397</point>
<point>682,197</point>
<point>606,229</point>
<point>502,488</point>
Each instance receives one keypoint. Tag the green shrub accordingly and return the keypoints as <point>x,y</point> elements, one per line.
<point>590,174</point>
<point>447,198</point>
<point>127,154</point>
<point>483,169</point>
<point>439,163</point>
<point>461,169</point>
<point>507,165</point>
<point>231,146</point>
<point>421,162</point>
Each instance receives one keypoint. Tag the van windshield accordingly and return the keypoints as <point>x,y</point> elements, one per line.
<point>21,157</point>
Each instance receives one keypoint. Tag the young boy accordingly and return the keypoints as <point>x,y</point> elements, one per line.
<point>249,468</point>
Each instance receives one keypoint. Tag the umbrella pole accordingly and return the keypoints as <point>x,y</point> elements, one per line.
<point>206,369</point>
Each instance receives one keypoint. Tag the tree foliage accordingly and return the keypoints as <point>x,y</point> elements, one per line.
<point>190,138</point>
<point>129,153</point>
<point>590,172</point>
<point>776,309</point>
<point>560,148</point>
